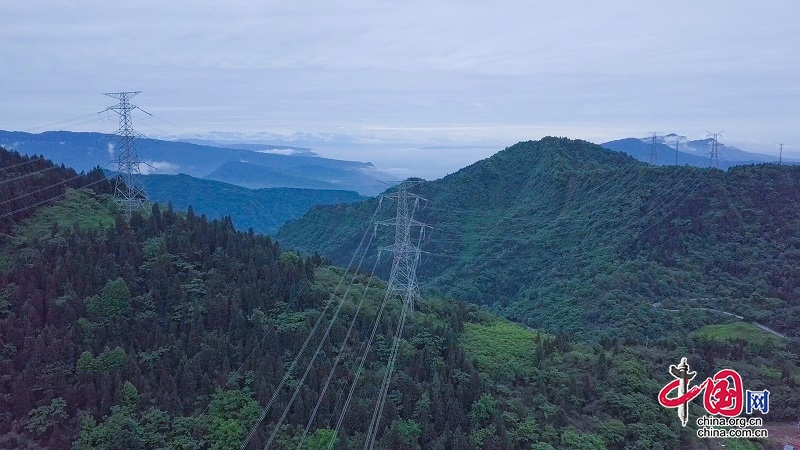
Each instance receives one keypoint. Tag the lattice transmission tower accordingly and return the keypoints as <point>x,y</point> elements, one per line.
<point>406,254</point>
<point>714,149</point>
<point>654,148</point>
<point>128,190</point>
<point>677,145</point>
<point>402,281</point>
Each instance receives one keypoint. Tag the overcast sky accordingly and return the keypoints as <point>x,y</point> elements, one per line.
<point>426,73</point>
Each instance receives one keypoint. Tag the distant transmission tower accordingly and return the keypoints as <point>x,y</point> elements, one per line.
<point>714,149</point>
<point>403,277</point>
<point>654,148</point>
<point>128,191</point>
<point>780,155</point>
<point>677,144</point>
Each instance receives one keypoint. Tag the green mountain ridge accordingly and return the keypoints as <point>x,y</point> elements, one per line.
<point>567,235</point>
<point>264,210</point>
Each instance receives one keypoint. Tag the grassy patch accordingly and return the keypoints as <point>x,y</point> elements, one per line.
<point>739,444</point>
<point>80,207</point>
<point>737,330</point>
<point>500,348</point>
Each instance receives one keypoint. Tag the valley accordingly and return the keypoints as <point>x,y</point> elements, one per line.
<point>172,330</point>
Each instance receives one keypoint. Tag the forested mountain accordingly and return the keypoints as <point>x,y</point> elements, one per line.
<point>567,235</point>
<point>263,210</point>
<point>172,331</point>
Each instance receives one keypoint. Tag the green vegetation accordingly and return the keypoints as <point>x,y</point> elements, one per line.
<point>567,236</point>
<point>6,261</point>
<point>30,183</point>
<point>113,301</point>
<point>740,444</point>
<point>738,331</point>
<point>80,208</point>
<point>150,359</point>
<point>320,439</point>
<point>172,331</point>
<point>44,417</point>
<point>105,361</point>
<point>263,210</point>
<point>503,348</point>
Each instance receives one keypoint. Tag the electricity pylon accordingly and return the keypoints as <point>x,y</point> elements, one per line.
<point>714,164</point>
<point>403,277</point>
<point>677,144</point>
<point>128,191</point>
<point>653,148</point>
<point>402,281</point>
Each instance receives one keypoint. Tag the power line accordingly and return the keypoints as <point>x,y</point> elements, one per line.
<point>41,189</point>
<point>252,352</point>
<point>30,130</point>
<point>338,357</point>
<point>360,369</point>
<point>372,432</point>
<point>37,172</point>
<point>325,336</point>
<point>11,213</point>
<point>311,334</point>
<point>20,164</point>
<point>402,281</point>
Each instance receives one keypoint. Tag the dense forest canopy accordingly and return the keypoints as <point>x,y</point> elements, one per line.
<point>172,331</point>
<point>567,235</point>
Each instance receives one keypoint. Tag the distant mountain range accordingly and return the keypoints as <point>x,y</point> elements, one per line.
<point>249,165</point>
<point>694,153</point>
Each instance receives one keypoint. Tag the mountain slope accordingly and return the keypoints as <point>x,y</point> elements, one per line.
<point>263,210</point>
<point>85,151</point>
<point>567,235</point>
<point>171,331</point>
<point>27,183</point>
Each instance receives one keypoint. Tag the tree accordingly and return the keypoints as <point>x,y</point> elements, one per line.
<point>408,430</point>
<point>113,301</point>
<point>43,417</point>
<point>320,439</point>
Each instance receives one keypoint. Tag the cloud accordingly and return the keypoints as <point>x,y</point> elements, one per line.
<point>158,167</point>
<point>426,72</point>
<point>279,151</point>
